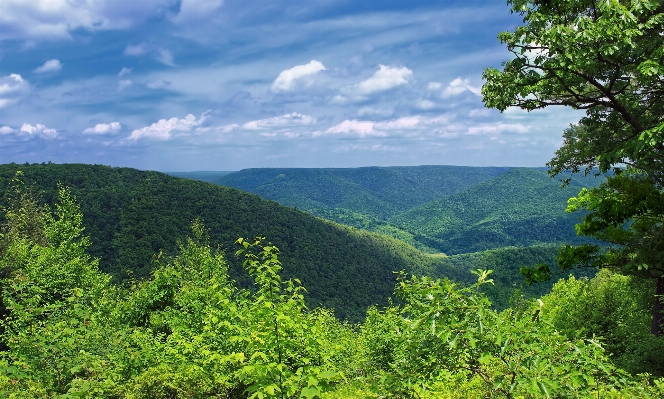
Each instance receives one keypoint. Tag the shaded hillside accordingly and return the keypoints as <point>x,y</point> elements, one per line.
<point>520,207</point>
<point>506,263</point>
<point>131,214</point>
<point>207,176</point>
<point>375,192</point>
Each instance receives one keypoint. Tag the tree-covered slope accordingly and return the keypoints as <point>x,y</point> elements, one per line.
<point>208,176</point>
<point>520,207</point>
<point>376,192</point>
<point>131,214</point>
<point>506,263</point>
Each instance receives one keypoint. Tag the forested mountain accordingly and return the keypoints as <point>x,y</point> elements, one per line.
<point>448,209</point>
<point>208,176</point>
<point>377,192</point>
<point>521,207</point>
<point>130,215</point>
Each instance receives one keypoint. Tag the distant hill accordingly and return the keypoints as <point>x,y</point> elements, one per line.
<point>506,263</point>
<point>375,192</point>
<point>521,207</point>
<point>208,176</point>
<point>449,209</point>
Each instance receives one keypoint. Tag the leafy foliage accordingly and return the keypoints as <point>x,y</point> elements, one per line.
<point>190,332</point>
<point>606,58</point>
<point>614,307</point>
<point>444,334</point>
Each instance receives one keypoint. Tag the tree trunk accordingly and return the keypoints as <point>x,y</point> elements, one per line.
<point>655,327</point>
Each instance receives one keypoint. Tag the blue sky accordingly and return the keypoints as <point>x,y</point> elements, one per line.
<point>182,85</point>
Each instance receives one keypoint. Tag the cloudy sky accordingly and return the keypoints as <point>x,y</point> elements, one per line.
<point>182,85</point>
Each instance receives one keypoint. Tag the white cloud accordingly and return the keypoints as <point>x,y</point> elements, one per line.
<point>56,19</point>
<point>124,71</point>
<point>425,104</point>
<point>123,84</point>
<point>7,130</point>
<point>371,111</point>
<point>137,49</point>
<point>162,129</point>
<point>103,128</point>
<point>458,86</point>
<point>227,128</point>
<point>406,122</point>
<point>292,119</point>
<point>385,78</point>
<point>381,129</point>
<point>434,86</point>
<point>287,80</point>
<point>498,128</point>
<point>158,84</point>
<point>479,112</point>
<point>49,66</point>
<point>362,128</point>
<point>12,88</point>
<point>166,57</point>
<point>38,130</point>
<point>194,10</point>
<point>347,126</point>
<point>338,100</point>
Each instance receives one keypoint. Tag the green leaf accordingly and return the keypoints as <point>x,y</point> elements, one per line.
<point>310,392</point>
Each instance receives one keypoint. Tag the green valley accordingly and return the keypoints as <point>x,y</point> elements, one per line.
<point>131,215</point>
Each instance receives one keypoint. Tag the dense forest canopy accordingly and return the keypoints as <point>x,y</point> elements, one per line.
<point>191,332</point>
<point>132,215</point>
<point>449,209</point>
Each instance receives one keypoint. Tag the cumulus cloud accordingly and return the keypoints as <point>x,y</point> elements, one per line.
<point>103,128</point>
<point>7,130</point>
<point>406,122</point>
<point>434,86</point>
<point>498,128</point>
<point>38,130</point>
<point>384,79</point>
<point>479,112</point>
<point>123,84</point>
<point>371,111</point>
<point>57,19</point>
<point>163,129</point>
<point>158,84</point>
<point>136,49</point>
<point>227,128</point>
<point>458,86</point>
<point>425,104</point>
<point>288,79</point>
<point>361,128</point>
<point>49,66</point>
<point>292,119</point>
<point>12,88</point>
<point>124,71</point>
<point>194,10</point>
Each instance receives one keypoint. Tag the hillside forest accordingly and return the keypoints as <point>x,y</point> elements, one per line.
<point>396,282</point>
